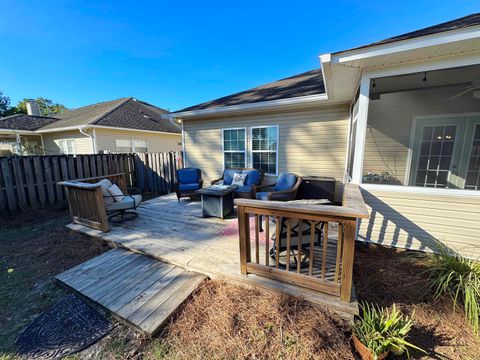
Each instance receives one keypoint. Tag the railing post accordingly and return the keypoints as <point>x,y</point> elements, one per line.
<point>244,237</point>
<point>347,260</point>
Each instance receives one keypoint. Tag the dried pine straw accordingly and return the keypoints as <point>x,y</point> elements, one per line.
<point>225,321</point>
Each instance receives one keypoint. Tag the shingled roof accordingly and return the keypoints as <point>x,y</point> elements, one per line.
<point>127,113</point>
<point>456,24</point>
<point>25,122</point>
<point>304,84</point>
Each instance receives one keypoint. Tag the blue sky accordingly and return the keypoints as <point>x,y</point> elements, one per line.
<point>175,54</point>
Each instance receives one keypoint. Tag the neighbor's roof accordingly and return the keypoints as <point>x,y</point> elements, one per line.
<point>25,122</point>
<point>307,83</point>
<point>127,113</point>
<point>460,23</point>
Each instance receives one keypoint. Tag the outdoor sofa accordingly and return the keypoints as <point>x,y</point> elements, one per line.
<point>254,177</point>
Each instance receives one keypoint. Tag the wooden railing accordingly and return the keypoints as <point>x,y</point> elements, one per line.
<point>313,245</point>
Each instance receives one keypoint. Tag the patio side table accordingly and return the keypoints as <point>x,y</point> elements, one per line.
<point>217,200</point>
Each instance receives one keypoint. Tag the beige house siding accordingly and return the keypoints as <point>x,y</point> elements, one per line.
<point>83,143</point>
<point>156,142</point>
<point>390,122</point>
<point>412,220</point>
<point>311,142</point>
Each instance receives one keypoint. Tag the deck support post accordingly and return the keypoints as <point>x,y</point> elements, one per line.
<point>244,237</point>
<point>348,253</point>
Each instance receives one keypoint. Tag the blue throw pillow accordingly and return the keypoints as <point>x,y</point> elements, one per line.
<point>253,177</point>
<point>228,176</point>
<point>285,181</point>
<point>188,176</point>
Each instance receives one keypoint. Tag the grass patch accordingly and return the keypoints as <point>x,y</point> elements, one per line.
<point>35,247</point>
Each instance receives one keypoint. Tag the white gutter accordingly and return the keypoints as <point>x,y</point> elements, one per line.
<point>92,137</point>
<point>252,106</point>
<point>100,127</point>
<point>21,132</point>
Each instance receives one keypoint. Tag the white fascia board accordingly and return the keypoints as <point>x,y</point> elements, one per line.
<point>405,45</point>
<point>326,65</point>
<point>20,132</point>
<point>247,107</point>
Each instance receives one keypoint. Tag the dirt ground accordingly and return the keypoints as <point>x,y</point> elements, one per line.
<point>34,247</point>
<point>222,321</point>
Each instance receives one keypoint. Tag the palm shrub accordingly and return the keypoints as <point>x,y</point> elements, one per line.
<point>382,330</point>
<point>459,277</point>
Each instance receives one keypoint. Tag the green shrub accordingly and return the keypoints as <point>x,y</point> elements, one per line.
<point>382,330</point>
<point>454,275</point>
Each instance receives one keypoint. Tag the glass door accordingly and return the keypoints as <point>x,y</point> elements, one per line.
<point>437,153</point>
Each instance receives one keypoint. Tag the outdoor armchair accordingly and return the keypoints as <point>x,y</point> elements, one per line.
<point>284,189</point>
<point>189,180</point>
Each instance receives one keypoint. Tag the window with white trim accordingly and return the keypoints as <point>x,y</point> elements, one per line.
<point>234,148</point>
<point>140,146</point>
<point>123,145</point>
<point>264,145</point>
<point>67,146</point>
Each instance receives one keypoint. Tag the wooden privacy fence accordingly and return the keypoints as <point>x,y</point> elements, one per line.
<point>31,181</point>
<point>304,252</point>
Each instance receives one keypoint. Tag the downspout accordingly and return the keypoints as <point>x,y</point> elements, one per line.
<point>43,144</point>
<point>173,121</point>
<point>92,137</point>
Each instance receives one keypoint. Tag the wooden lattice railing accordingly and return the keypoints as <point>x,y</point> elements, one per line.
<point>313,245</point>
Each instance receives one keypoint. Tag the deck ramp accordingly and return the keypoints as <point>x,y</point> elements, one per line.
<point>135,288</point>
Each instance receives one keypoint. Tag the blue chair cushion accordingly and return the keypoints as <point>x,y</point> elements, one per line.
<point>244,189</point>
<point>253,177</point>
<point>193,186</point>
<point>285,181</point>
<point>262,195</point>
<point>228,176</point>
<point>188,176</point>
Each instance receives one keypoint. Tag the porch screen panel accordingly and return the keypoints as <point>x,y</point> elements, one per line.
<point>264,149</point>
<point>435,158</point>
<point>234,148</point>
<point>472,180</point>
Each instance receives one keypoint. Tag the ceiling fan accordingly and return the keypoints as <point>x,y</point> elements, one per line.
<point>475,88</point>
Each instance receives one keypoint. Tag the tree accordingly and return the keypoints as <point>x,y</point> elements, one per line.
<point>47,106</point>
<point>4,104</point>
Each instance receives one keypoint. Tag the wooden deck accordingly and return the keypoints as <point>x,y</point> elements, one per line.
<point>177,233</point>
<point>137,289</point>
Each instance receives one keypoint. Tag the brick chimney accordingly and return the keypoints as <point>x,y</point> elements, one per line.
<point>33,108</point>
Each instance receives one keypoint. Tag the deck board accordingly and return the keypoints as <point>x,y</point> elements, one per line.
<point>177,233</point>
<point>137,289</point>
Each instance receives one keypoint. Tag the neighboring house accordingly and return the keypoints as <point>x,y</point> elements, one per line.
<point>123,125</point>
<point>400,117</point>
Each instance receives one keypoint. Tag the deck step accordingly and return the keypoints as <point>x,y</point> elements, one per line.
<point>136,289</point>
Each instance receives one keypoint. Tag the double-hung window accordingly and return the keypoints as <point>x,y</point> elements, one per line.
<point>67,146</point>
<point>140,146</point>
<point>234,152</point>
<point>123,145</point>
<point>264,145</point>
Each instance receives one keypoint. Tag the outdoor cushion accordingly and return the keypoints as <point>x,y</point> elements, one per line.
<point>228,176</point>
<point>262,195</point>
<point>253,177</point>
<point>188,176</point>
<point>116,192</point>
<point>244,189</point>
<point>128,202</point>
<point>107,197</point>
<point>285,181</point>
<point>239,179</point>
<point>193,186</point>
